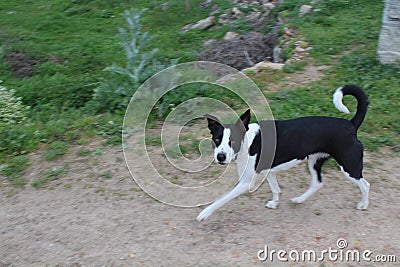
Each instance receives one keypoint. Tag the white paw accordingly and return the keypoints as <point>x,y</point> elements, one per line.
<point>203,215</point>
<point>297,200</point>
<point>362,206</point>
<point>271,204</point>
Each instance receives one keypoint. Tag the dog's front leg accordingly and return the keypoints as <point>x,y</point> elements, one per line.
<point>240,188</point>
<point>273,184</point>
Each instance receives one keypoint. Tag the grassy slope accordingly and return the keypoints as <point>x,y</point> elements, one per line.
<point>74,40</point>
<point>344,34</point>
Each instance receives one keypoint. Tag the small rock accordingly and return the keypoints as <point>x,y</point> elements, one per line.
<point>318,212</point>
<point>215,9</point>
<point>288,32</point>
<point>223,19</point>
<point>237,12</point>
<point>276,55</point>
<point>270,65</point>
<point>299,49</point>
<point>229,36</point>
<point>205,3</point>
<point>268,6</point>
<point>201,24</point>
<point>253,16</point>
<point>209,42</point>
<point>165,5</point>
<point>266,65</point>
<point>304,9</point>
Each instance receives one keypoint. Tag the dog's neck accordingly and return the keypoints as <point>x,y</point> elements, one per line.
<point>243,154</point>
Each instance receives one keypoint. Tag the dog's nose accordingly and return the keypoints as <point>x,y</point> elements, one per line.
<point>221,157</point>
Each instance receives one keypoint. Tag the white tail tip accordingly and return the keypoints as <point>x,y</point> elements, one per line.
<point>337,101</point>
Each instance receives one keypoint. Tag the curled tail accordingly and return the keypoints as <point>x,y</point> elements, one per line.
<point>362,100</point>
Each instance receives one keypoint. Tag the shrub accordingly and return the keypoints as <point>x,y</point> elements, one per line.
<point>118,87</point>
<point>12,111</point>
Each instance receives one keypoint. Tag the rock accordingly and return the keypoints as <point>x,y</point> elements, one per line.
<point>201,24</point>
<point>229,36</point>
<point>389,38</point>
<point>214,10</point>
<point>288,32</point>
<point>236,12</point>
<point>209,42</point>
<point>266,65</point>
<point>165,5</point>
<point>276,55</point>
<point>268,6</point>
<point>223,19</point>
<point>304,9</point>
<point>254,16</point>
<point>269,65</point>
<point>299,50</point>
<point>205,3</point>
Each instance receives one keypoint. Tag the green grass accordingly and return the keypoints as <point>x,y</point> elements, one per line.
<point>106,175</point>
<point>71,42</point>
<point>49,176</point>
<point>83,152</point>
<point>344,34</point>
<point>55,150</point>
<point>14,168</point>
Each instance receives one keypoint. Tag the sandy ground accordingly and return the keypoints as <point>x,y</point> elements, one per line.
<point>95,215</point>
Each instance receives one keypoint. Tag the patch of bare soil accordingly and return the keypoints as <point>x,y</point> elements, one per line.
<point>21,64</point>
<point>94,214</point>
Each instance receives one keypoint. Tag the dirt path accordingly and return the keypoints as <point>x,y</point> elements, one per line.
<point>95,215</point>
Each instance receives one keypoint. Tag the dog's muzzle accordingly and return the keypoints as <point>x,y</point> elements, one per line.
<point>221,157</point>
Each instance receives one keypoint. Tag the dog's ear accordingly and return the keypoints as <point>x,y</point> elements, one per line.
<point>245,119</point>
<point>212,121</point>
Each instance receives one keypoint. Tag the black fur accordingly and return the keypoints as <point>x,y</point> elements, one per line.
<point>298,138</point>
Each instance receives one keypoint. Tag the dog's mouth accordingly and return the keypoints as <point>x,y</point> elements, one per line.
<point>221,163</point>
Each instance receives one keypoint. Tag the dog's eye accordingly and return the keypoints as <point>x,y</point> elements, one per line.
<point>217,140</point>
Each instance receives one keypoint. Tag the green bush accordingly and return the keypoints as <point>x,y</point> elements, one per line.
<point>117,88</point>
<point>12,111</point>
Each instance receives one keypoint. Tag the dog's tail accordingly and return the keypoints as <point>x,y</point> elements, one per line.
<point>362,100</point>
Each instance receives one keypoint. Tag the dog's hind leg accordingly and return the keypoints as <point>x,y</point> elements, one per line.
<point>273,184</point>
<point>351,164</point>
<point>315,162</point>
<point>364,188</point>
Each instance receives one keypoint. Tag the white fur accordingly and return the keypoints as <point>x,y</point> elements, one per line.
<point>315,185</point>
<point>364,187</point>
<point>286,166</point>
<point>224,147</point>
<point>276,190</point>
<point>245,168</point>
<point>243,155</point>
<point>240,188</point>
<point>337,101</point>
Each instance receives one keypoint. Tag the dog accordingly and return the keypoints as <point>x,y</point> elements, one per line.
<point>316,137</point>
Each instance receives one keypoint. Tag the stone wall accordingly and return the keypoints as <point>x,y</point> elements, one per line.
<point>389,39</point>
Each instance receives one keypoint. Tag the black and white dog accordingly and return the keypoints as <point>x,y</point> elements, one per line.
<point>316,138</point>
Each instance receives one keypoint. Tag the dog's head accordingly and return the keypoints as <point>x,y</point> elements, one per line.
<point>228,138</point>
